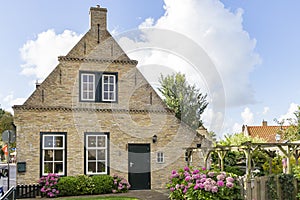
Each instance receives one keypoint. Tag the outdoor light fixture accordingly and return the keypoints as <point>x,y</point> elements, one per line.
<point>277,137</point>
<point>154,138</point>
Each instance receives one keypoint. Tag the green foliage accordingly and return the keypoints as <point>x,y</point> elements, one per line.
<point>85,185</point>
<point>292,132</point>
<point>272,187</point>
<point>185,100</point>
<point>6,121</point>
<point>103,184</point>
<point>287,186</point>
<point>68,186</point>
<point>276,165</point>
<point>238,139</point>
<point>234,160</point>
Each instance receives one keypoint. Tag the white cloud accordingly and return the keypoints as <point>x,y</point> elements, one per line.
<point>266,110</point>
<point>208,44</point>
<point>236,128</point>
<point>40,55</point>
<point>10,101</point>
<point>290,114</point>
<point>147,23</point>
<point>247,116</point>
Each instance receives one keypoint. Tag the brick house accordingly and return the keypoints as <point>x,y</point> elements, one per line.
<point>96,114</point>
<point>265,132</point>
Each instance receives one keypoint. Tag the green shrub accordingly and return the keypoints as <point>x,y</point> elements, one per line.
<point>102,184</point>
<point>68,186</point>
<point>86,185</point>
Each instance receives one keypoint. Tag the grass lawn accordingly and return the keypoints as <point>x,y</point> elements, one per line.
<point>96,198</point>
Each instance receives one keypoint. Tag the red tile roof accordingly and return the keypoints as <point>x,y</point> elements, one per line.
<point>265,132</point>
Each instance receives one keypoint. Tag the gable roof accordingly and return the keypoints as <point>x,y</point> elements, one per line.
<point>268,133</point>
<point>97,50</point>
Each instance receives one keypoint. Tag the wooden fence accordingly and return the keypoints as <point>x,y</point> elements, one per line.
<point>28,191</point>
<point>257,189</point>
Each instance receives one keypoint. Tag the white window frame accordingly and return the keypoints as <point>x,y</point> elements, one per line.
<point>160,157</point>
<point>109,87</point>
<point>53,148</point>
<point>88,90</point>
<point>186,157</point>
<point>96,148</point>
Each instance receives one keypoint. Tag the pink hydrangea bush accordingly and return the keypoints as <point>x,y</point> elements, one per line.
<point>202,184</point>
<point>121,185</point>
<point>49,185</point>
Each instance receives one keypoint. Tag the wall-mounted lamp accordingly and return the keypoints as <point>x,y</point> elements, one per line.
<point>154,138</point>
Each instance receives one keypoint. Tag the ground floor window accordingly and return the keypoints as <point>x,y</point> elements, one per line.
<point>96,153</point>
<point>160,157</point>
<point>53,153</point>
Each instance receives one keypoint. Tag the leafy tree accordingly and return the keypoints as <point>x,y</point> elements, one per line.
<point>292,133</point>
<point>6,121</point>
<point>212,136</point>
<point>184,99</point>
<point>235,161</point>
<point>238,139</point>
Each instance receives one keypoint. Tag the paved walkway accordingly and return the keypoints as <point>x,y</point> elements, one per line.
<point>139,194</point>
<point>144,194</point>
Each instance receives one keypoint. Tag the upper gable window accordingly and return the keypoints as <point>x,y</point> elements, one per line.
<point>98,86</point>
<point>108,87</point>
<point>87,87</point>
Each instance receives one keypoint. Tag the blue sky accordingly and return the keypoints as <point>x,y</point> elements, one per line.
<point>254,45</point>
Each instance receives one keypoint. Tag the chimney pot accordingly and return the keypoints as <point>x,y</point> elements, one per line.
<point>264,123</point>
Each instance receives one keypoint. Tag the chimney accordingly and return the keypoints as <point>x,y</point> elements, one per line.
<point>37,84</point>
<point>98,18</point>
<point>264,123</point>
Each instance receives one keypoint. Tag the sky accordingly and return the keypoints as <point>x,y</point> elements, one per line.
<point>243,54</point>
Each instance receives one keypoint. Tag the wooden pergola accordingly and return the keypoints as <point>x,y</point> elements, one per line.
<point>288,149</point>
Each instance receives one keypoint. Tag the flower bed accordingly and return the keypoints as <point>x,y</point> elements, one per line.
<point>202,184</point>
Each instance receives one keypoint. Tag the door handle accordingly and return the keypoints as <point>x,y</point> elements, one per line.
<point>131,164</point>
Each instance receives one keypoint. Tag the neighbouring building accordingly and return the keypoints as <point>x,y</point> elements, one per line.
<point>96,114</point>
<point>265,132</point>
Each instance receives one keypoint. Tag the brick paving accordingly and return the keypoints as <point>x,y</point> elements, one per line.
<point>144,194</point>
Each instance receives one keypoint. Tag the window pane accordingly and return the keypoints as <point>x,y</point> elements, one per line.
<point>84,95</point>
<point>48,167</point>
<point>101,141</point>
<point>48,141</point>
<point>111,79</point>
<point>105,79</point>
<point>105,96</point>
<point>92,167</point>
<point>91,78</point>
<point>91,87</point>
<point>101,167</point>
<point>48,155</point>
<point>84,87</point>
<point>58,167</point>
<point>111,96</point>
<point>101,154</point>
<point>91,154</point>
<point>105,87</point>
<point>58,155</point>
<point>58,141</point>
<point>111,88</point>
<point>91,141</point>
<point>84,78</point>
<point>91,96</point>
